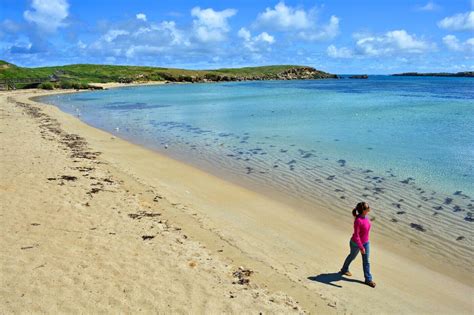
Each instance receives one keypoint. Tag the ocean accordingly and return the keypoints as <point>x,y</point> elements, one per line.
<point>403,144</point>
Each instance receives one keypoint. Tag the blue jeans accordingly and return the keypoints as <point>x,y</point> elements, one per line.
<point>365,259</point>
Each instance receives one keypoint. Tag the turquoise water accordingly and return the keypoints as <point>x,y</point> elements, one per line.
<point>400,142</point>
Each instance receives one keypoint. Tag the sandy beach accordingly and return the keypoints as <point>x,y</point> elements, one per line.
<point>91,223</point>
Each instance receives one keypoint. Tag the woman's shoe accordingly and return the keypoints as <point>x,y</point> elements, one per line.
<point>370,283</point>
<point>347,273</point>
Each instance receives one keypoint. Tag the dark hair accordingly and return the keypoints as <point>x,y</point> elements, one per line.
<point>361,207</point>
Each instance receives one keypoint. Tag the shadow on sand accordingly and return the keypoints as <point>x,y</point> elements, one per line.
<point>329,278</point>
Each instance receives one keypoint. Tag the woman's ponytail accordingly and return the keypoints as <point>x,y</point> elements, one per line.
<point>360,208</point>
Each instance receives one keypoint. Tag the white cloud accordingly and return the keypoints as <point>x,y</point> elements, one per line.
<point>141,16</point>
<point>154,32</point>
<point>324,32</point>
<point>342,52</point>
<point>398,41</point>
<point>81,45</point>
<point>430,6</point>
<point>48,15</point>
<point>210,25</point>
<point>244,33</point>
<point>453,43</point>
<point>285,18</point>
<point>255,43</point>
<point>111,35</point>
<point>298,22</point>
<point>178,37</point>
<point>458,22</point>
<point>145,40</point>
<point>404,41</point>
<point>470,44</point>
<point>265,37</point>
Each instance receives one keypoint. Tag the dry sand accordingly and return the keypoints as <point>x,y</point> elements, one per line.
<point>111,85</point>
<point>91,223</point>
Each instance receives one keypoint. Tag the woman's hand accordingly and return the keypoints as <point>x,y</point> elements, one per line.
<point>362,251</point>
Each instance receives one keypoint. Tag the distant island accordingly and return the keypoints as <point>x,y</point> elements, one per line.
<point>359,76</point>
<point>436,74</point>
<point>79,76</point>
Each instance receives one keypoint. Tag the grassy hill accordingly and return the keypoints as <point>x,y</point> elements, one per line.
<point>6,65</point>
<point>90,73</point>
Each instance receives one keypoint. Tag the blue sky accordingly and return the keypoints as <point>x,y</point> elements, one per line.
<point>367,36</point>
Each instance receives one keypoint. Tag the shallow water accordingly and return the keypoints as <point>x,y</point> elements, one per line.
<point>405,144</point>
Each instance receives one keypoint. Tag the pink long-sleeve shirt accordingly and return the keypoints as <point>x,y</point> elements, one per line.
<point>361,231</point>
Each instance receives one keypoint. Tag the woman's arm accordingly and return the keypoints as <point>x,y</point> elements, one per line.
<point>356,235</point>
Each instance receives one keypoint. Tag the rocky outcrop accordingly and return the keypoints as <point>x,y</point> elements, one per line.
<point>469,74</point>
<point>296,73</point>
<point>302,73</point>
<point>359,76</point>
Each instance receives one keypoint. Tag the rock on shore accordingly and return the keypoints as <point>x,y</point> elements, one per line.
<point>359,76</point>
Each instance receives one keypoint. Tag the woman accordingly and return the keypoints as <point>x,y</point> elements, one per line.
<point>360,242</point>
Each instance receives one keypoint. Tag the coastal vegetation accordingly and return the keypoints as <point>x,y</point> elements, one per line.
<point>79,76</point>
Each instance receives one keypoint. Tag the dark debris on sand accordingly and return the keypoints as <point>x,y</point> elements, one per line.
<point>148,237</point>
<point>143,214</point>
<point>51,130</point>
<point>469,217</point>
<point>418,227</point>
<point>242,276</point>
<point>407,181</point>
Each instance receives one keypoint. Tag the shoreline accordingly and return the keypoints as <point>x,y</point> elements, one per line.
<point>418,231</point>
<point>305,207</point>
<point>284,246</point>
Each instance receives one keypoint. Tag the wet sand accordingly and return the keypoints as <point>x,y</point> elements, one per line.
<point>93,223</point>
